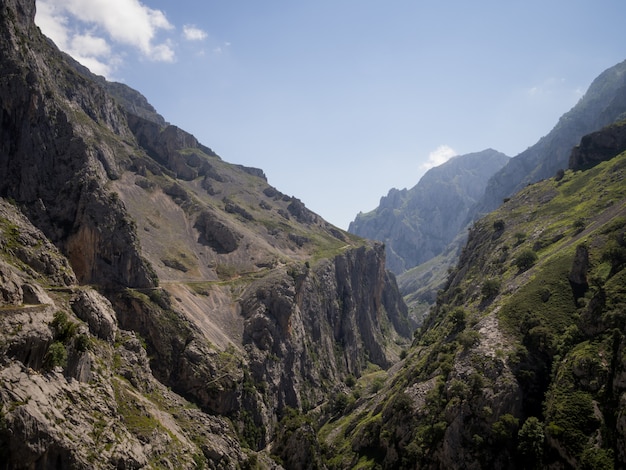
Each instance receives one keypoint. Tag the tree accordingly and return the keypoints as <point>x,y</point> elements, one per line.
<point>530,443</point>
<point>525,260</point>
<point>490,288</point>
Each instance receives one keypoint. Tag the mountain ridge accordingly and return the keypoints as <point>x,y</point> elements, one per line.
<point>603,103</point>
<point>163,308</point>
<point>418,223</point>
<point>187,277</point>
<point>520,362</point>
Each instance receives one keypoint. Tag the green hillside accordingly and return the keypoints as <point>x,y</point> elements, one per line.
<point>521,362</point>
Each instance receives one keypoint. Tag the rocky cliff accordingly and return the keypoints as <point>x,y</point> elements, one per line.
<point>520,363</point>
<point>162,307</point>
<point>77,390</point>
<point>418,224</point>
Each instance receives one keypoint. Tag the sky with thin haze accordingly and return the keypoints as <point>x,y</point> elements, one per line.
<point>340,100</point>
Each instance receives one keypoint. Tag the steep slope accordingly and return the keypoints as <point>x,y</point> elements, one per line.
<point>247,303</point>
<point>70,375</point>
<point>417,224</point>
<point>521,362</point>
<point>603,103</point>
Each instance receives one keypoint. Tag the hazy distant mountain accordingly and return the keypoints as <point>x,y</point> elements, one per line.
<point>603,103</point>
<point>417,224</point>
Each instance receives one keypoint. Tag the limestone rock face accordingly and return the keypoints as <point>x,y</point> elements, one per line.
<point>47,156</point>
<point>82,395</point>
<point>216,234</point>
<point>97,312</point>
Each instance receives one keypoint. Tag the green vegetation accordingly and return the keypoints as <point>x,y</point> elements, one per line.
<point>525,260</point>
<point>531,439</point>
<point>10,235</point>
<point>490,288</point>
<point>135,416</point>
<point>56,356</point>
<point>564,346</point>
<point>64,328</point>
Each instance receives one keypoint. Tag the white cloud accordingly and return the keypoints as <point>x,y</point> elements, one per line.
<point>192,33</point>
<point>440,155</point>
<point>90,45</point>
<point>86,29</point>
<point>53,24</point>
<point>126,21</point>
<point>548,87</point>
<point>221,49</point>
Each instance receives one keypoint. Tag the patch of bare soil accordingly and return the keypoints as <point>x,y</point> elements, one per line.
<point>491,337</point>
<point>215,313</point>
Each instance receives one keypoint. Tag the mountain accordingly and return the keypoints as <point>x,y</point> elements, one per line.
<point>418,224</point>
<point>163,308</point>
<point>603,103</point>
<point>520,363</point>
<point>160,307</point>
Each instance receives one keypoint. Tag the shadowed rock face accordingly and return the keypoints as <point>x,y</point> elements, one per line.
<point>54,165</point>
<point>216,234</point>
<point>598,147</point>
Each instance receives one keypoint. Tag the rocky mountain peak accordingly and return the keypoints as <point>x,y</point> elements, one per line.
<point>417,224</point>
<point>20,11</point>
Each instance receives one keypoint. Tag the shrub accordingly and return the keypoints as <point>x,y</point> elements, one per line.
<point>340,402</point>
<point>525,260</point>
<point>55,356</point>
<point>498,225</point>
<point>82,343</point>
<point>64,328</point>
<point>530,442</point>
<point>505,427</point>
<point>377,384</point>
<point>468,338</point>
<point>615,254</point>
<point>490,288</point>
<point>593,458</point>
<point>458,317</point>
<point>350,381</point>
<point>520,237</point>
<point>579,225</point>
<point>458,389</point>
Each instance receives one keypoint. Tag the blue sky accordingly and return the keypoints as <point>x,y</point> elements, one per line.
<point>339,101</point>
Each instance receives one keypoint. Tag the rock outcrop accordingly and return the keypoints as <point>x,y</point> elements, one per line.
<point>598,147</point>
<point>76,391</point>
<point>54,165</point>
